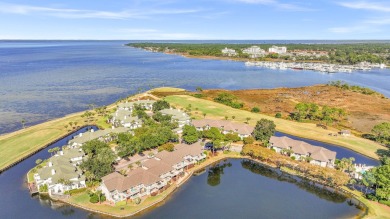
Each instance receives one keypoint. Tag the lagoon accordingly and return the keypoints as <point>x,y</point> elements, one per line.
<point>42,80</point>
<point>230,192</point>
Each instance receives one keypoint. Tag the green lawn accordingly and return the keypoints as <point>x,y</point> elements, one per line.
<point>119,209</point>
<point>21,143</point>
<point>306,130</point>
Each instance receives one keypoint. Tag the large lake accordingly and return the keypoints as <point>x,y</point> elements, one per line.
<point>232,189</point>
<point>41,80</point>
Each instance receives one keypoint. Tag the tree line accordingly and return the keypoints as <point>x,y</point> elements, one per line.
<point>314,112</point>
<point>338,53</point>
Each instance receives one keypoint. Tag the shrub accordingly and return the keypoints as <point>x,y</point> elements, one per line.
<point>93,198</point>
<point>249,140</point>
<point>229,100</point>
<point>75,191</point>
<point>371,197</point>
<point>293,158</point>
<point>137,201</point>
<point>43,188</point>
<point>103,198</point>
<point>167,146</point>
<point>255,109</point>
<point>385,202</point>
<point>198,95</point>
<point>278,115</point>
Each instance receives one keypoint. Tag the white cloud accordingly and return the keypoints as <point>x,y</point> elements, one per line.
<point>276,4</point>
<point>373,6</point>
<point>153,34</point>
<point>77,13</point>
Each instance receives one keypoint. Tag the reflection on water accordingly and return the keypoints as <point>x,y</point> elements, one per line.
<point>215,172</point>
<point>321,191</point>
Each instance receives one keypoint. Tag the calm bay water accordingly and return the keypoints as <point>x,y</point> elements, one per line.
<point>42,80</point>
<point>232,189</point>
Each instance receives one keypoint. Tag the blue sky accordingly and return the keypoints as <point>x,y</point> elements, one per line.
<point>195,19</point>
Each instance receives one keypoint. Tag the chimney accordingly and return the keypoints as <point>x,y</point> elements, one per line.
<point>53,172</point>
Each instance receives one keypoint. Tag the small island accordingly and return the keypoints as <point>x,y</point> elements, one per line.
<point>149,144</point>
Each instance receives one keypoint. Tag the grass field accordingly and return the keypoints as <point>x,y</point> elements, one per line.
<point>306,130</point>
<point>21,143</point>
<point>121,208</point>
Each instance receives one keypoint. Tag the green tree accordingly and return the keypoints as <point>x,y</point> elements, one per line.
<point>214,134</point>
<point>381,133</point>
<point>100,159</point>
<point>278,115</point>
<point>382,177</point>
<point>368,179</point>
<point>190,134</point>
<point>160,105</point>
<point>263,130</point>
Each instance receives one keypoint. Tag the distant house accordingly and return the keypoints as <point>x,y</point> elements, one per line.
<point>277,49</point>
<point>177,116</point>
<point>345,132</point>
<point>102,135</point>
<point>243,130</point>
<point>61,172</point>
<point>229,52</point>
<point>302,150</point>
<point>124,118</point>
<point>254,51</point>
<point>123,115</point>
<point>129,106</point>
<point>154,175</point>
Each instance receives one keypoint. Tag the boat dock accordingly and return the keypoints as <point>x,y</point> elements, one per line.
<point>321,67</point>
<point>33,188</point>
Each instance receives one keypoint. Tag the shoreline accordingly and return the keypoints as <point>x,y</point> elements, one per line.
<point>59,132</point>
<point>250,60</point>
<point>212,160</point>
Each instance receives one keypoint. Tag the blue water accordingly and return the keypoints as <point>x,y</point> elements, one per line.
<point>16,201</point>
<point>42,80</point>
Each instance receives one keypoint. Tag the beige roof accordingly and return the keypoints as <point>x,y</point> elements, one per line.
<point>300,147</point>
<point>225,125</point>
<point>155,168</point>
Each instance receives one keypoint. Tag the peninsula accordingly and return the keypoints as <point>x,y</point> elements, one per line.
<point>127,115</point>
<point>329,58</point>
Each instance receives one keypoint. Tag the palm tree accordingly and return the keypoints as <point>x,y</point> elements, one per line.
<point>233,117</point>
<point>23,123</point>
<point>204,115</point>
<point>247,119</point>
<point>75,124</point>
<point>226,117</point>
<point>66,126</point>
